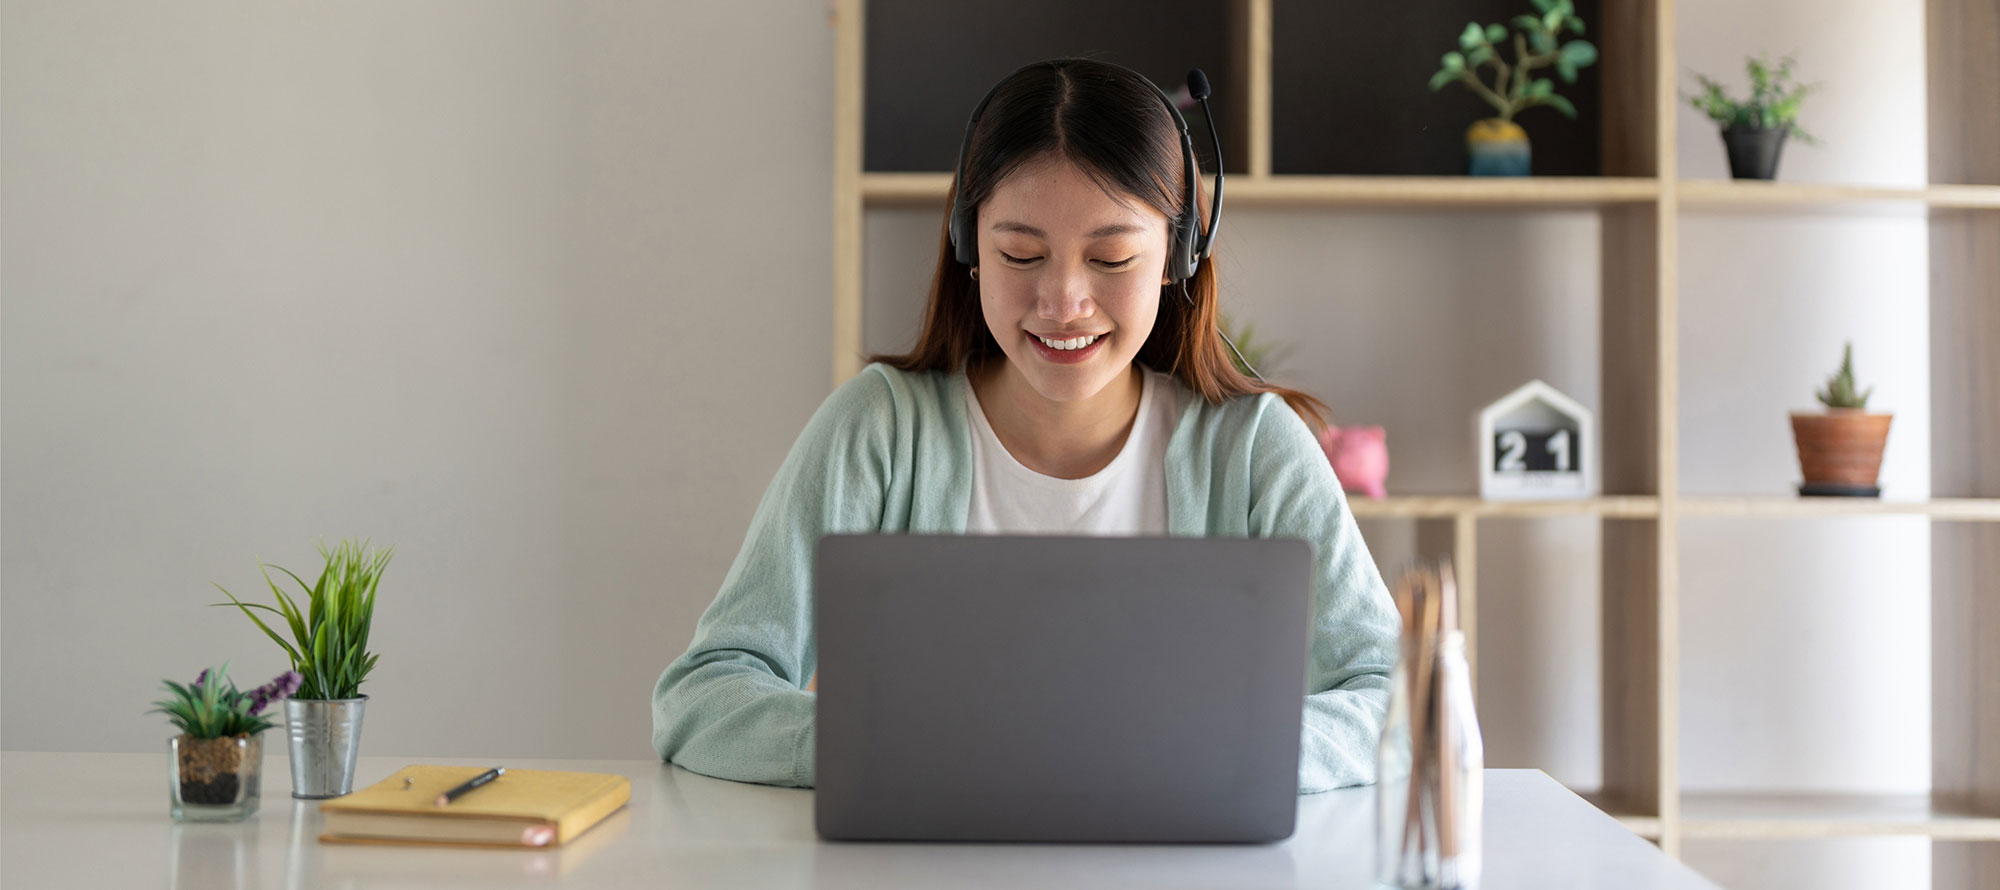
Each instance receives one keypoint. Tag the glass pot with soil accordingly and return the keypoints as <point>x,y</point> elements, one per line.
<point>218,756</point>
<point>214,780</point>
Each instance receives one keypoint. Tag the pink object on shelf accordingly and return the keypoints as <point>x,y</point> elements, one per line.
<point>1360,458</point>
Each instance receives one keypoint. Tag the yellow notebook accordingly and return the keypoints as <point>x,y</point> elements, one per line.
<point>521,808</point>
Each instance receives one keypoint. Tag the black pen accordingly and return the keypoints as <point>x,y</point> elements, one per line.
<point>470,784</point>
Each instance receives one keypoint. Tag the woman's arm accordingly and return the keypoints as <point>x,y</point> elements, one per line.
<point>1294,494</point>
<point>734,706</point>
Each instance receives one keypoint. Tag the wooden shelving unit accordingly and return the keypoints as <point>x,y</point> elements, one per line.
<point>1640,202</point>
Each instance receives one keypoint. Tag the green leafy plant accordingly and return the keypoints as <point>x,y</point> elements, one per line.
<point>1537,44</point>
<point>1773,103</point>
<point>1255,352</point>
<point>329,646</point>
<point>1839,391</point>
<point>212,707</point>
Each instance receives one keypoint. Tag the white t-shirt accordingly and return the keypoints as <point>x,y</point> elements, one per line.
<point>1127,497</point>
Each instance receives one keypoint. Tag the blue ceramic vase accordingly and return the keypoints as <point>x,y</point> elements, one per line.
<point>1497,148</point>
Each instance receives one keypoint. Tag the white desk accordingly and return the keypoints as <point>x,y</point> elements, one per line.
<point>100,820</point>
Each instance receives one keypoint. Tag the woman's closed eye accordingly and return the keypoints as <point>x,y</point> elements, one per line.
<point>1108,264</point>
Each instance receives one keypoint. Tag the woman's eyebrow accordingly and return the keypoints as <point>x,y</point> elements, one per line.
<point>1103,231</point>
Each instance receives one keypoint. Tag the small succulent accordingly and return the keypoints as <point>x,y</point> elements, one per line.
<point>1840,391</point>
<point>212,707</point>
<point>1537,44</point>
<point>1773,103</point>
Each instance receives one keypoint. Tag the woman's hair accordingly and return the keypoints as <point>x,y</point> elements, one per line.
<point>1113,127</point>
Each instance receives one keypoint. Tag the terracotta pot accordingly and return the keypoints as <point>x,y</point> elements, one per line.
<point>1842,446</point>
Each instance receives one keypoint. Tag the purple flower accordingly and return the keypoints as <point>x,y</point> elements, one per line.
<point>198,681</point>
<point>283,685</point>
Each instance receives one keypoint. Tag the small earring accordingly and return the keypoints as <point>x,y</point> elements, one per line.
<point>975,273</point>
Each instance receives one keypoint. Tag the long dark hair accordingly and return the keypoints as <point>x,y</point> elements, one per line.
<point>1115,128</point>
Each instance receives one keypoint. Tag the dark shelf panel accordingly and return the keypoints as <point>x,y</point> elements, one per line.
<point>1350,91</point>
<point>929,62</point>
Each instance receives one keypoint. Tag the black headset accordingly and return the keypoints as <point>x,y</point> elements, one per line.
<point>1189,244</point>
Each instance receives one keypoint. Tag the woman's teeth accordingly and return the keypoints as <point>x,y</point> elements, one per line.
<point>1077,343</point>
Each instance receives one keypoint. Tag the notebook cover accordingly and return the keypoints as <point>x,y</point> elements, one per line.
<point>571,802</point>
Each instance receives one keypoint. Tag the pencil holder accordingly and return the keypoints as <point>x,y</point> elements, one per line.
<point>1430,765</point>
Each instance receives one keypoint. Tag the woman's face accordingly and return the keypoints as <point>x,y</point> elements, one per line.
<point>1060,258</point>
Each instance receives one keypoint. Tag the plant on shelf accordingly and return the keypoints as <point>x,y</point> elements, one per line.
<point>1498,146</point>
<point>1256,353</point>
<point>1840,449</point>
<point>216,757</point>
<point>1754,129</point>
<point>329,650</point>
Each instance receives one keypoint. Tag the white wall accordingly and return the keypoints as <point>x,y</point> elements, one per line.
<point>536,292</point>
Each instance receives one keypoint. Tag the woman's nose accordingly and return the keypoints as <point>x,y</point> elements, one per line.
<point>1065,294</point>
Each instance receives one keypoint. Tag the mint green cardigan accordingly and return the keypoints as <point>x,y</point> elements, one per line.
<point>891,451</point>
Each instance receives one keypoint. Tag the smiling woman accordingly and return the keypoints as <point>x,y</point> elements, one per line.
<point>1069,379</point>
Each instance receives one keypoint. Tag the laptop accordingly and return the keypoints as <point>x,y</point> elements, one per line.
<point>1060,689</point>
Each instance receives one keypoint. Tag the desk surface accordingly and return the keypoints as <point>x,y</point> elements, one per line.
<point>100,820</point>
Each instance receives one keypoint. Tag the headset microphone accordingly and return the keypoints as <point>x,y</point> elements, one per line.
<point>1198,88</point>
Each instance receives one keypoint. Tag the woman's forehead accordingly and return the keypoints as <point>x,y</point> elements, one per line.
<point>1055,196</point>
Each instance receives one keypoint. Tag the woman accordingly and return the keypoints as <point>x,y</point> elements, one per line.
<point>1064,382</point>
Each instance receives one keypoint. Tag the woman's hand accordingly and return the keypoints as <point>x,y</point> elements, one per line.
<point>812,685</point>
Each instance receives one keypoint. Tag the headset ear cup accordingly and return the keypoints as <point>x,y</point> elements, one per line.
<point>961,241</point>
<point>1182,261</point>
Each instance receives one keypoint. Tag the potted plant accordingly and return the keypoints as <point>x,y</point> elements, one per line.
<point>1754,130</point>
<point>329,650</point>
<point>213,776</point>
<point>1840,450</point>
<point>1497,145</point>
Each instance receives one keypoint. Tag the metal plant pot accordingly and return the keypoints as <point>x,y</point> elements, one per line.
<point>324,737</point>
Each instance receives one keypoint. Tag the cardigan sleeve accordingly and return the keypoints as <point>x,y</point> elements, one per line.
<point>1294,494</point>
<point>734,706</point>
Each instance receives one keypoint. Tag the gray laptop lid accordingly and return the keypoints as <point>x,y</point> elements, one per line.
<point>1040,688</point>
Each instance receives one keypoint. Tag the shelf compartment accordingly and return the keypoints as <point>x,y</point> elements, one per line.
<point>1443,506</point>
<point>1324,121</point>
<point>927,189</point>
<point>925,65</point>
<point>1943,509</point>
<point>1825,814</point>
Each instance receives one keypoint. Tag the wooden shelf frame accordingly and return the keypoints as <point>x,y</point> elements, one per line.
<point>1704,194</point>
<point>1640,202</point>
<point>1448,506</point>
<point>1823,815</point>
<point>1466,192</point>
<point>1939,509</point>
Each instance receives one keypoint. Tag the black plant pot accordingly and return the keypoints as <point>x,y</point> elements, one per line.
<point>1753,151</point>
